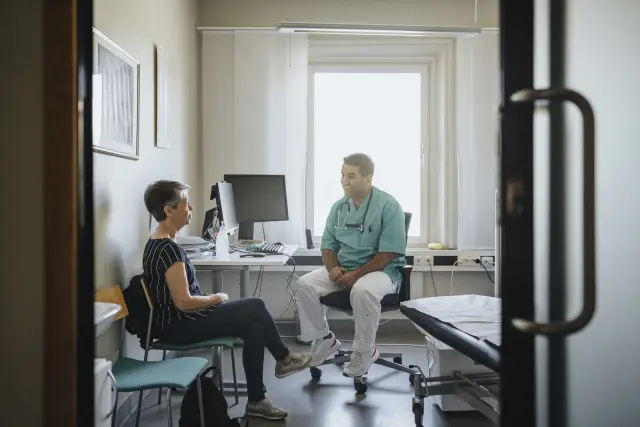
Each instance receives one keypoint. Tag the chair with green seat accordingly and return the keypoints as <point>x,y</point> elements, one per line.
<point>214,344</point>
<point>130,375</point>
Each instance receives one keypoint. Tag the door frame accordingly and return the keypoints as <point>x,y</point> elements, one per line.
<point>517,361</point>
<point>68,221</point>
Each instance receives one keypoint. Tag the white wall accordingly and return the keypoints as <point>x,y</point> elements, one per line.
<point>267,13</point>
<point>477,105</point>
<point>121,220</point>
<point>22,126</point>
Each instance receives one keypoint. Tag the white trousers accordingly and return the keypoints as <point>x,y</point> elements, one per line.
<point>366,295</point>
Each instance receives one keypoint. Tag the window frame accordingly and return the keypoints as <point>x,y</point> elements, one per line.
<point>427,104</point>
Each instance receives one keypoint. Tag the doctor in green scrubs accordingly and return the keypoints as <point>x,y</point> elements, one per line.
<point>362,246</point>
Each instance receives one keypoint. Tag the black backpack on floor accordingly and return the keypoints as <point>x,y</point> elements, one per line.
<point>214,404</point>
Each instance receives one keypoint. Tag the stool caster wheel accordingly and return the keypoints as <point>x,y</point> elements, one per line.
<point>316,373</point>
<point>412,379</point>
<point>398,360</point>
<point>418,412</point>
<point>360,386</point>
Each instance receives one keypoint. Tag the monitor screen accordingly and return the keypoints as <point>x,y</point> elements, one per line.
<point>259,198</point>
<point>226,206</point>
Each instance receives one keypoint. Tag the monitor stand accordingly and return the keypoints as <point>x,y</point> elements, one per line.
<point>245,231</point>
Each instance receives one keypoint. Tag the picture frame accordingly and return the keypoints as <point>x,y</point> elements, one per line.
<point>163,98</point>
<point>116,99</point>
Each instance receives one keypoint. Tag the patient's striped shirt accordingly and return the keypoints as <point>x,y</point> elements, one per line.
<point>158,256</point>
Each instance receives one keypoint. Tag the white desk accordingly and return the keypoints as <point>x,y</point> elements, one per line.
<point>235,261</point>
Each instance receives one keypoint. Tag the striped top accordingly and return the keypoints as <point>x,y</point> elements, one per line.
<point>158,256</point>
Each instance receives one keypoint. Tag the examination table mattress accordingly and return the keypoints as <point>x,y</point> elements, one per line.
<point>469,324</point>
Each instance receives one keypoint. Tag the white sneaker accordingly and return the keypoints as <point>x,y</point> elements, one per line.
<point>321,349</point>
<point>360,363</point>
<point>265,409</point>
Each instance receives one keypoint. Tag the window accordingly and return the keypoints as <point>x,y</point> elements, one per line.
<point>380,110</point>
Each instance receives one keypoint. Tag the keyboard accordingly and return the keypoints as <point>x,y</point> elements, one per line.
<point>269,248</point>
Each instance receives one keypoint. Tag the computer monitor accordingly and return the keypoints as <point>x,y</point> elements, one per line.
<point>226,206</point>
<point>208,224</point>
<point>258,198</point>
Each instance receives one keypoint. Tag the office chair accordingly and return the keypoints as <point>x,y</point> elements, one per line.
<point>340,301</point>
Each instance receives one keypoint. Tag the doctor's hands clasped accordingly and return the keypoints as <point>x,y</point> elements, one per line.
<point>336,273</point>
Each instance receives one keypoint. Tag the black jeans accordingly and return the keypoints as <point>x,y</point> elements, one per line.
<point>246,318</point>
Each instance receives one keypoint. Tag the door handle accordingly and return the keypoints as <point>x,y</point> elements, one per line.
<point>588,254</point>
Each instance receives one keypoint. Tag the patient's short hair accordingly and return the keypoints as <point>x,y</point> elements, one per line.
<point>163,193</point>
<point>364,163</point>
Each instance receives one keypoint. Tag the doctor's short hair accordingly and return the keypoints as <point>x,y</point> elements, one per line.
<point>163,193</point>
<point>364,163</point>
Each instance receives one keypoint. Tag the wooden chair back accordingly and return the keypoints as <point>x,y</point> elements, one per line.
<point>113,294</point>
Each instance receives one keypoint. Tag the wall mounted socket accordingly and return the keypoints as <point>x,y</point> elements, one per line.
<point>423,260</point>
<point>466,261</point>
<point>488,261</point>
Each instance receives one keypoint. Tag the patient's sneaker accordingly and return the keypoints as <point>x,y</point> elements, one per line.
<point>297,363</point>
<point>360,363</point>
<point>265,409</point>
<point>322,348</point>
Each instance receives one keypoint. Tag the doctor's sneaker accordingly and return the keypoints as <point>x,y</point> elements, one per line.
<point>297,363</point>
<point>265,409</point>
<point>322,348</point>
<point>360,363</point>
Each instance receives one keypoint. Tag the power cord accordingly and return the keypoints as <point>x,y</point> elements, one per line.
<point>485,269</point>
<point>433,280</point>
<point>290,290</point>
<point>259,282</point>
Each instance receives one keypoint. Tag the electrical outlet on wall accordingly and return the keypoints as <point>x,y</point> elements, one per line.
<point>487,261</point>
<point>423,260</point>
<point>466,261</point>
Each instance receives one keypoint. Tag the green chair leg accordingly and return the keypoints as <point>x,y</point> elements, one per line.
<point>139,408</point>
<point>169,410</point>
<point>235,380</point>
<point>164,356</point>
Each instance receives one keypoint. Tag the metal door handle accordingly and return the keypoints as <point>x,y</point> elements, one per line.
<point>589,255</point>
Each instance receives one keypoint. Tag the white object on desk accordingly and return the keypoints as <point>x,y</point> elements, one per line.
<point>222,243</point>
<point>191,241</point>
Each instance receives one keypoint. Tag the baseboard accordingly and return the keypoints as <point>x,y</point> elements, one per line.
<point>127,410</point>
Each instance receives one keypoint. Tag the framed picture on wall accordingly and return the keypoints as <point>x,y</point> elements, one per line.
<point>116,99</point>
<point>163,98</point>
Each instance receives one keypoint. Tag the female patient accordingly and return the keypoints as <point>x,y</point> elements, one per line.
<point>185,315</point>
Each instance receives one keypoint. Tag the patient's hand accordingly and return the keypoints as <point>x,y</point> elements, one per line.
<point>220,298</point>
<point>336,273</point>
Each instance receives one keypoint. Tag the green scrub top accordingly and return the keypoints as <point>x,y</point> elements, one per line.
<point>383,231</point>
